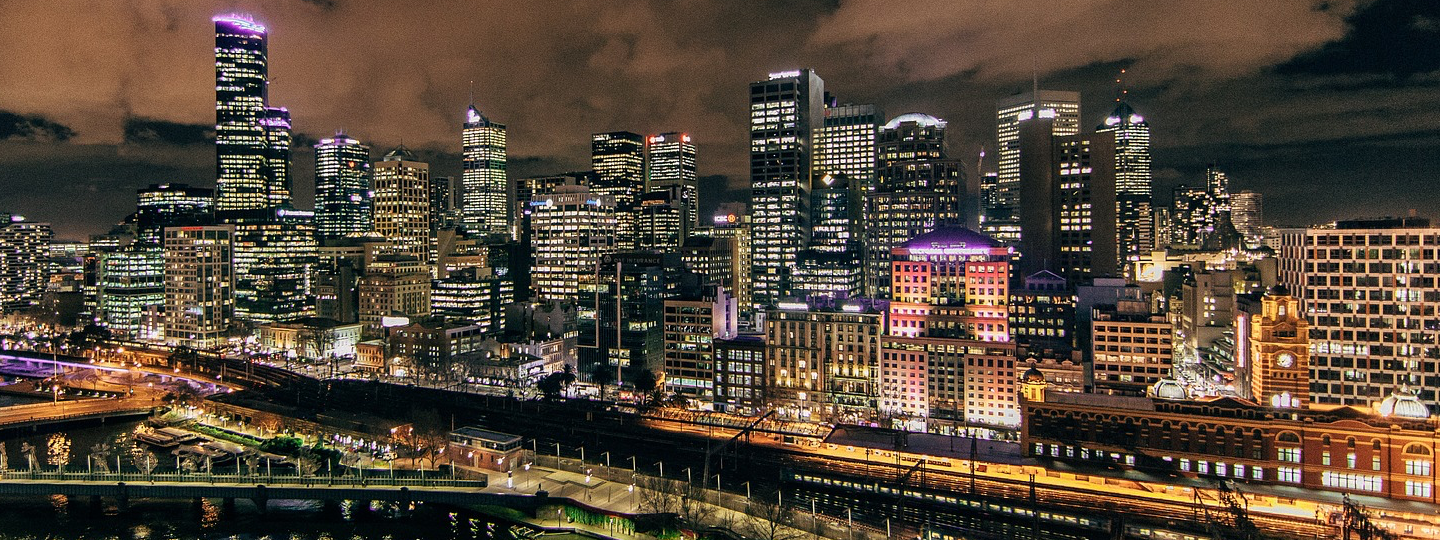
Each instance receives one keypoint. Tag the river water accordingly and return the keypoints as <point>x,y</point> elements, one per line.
<point>58,518</point>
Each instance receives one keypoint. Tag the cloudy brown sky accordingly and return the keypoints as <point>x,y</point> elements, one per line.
<point>1329,108</point>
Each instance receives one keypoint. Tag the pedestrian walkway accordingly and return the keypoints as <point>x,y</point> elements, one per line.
<point>620,495</point>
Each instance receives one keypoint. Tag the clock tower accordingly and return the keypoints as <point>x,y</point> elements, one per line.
<point>1279,352</point>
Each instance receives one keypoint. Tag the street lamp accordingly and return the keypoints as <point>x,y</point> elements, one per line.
<point>662,468</point>
<point>632,464</point>
<point>607,458</point>
<point>688,479</point>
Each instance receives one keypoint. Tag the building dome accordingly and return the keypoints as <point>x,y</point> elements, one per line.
<point>924,120</point>
<point>1168,389</point>
<point>1034,376</point>
<point>1403,403</point>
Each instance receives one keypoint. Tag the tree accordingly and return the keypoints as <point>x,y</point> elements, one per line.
<point>767,521</point>
<point>550,386</point>
<point>686,501</point>
<point>647,385</point>
<point>431,435</point>
<point>567,378</point>
<point>602,375</point>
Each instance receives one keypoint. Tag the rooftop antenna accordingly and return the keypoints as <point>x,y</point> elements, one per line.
<point>472,92</point>
<point>1120,92</point>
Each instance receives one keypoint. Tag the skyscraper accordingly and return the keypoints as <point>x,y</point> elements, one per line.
<point>618,158</point>
<point>23,247</point>
<point>343,195</point>
<point>277,156</point>
<point>1067,202</point>
<point>1002,218</point>
<point>485,207</point>
<point>242,138</point>
<point>785,111</point>
<point>273,252</point>
<point>846,143</point>
<point>199,286</point>
<point>573,229</point>
<point>402,204</point>
<point>170,205</point>
<point>1134,223</point>
<point>917,189</point>
<point>1247,214</point>
<point>670,163</point>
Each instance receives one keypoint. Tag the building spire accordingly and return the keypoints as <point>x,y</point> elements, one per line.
<point>1120,91</point>
<point>472,93</point>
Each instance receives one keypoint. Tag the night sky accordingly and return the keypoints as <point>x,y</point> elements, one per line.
<point>1329,108</point>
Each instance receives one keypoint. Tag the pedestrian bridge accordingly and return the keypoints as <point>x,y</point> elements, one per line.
<point>259,488</point>
<point>38,414</point>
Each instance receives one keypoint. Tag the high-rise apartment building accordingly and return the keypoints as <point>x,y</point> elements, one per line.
<point>199,285</point>
<point>402,204</point>
<point>24,245</point>
<point>485,206</point>
<point>786,110</point>
<point>571,229</point>
<point>1369,293</point>
<point>343,194</point>
<point>1134,223</point>
<point>1002,220</point>
<point>129,282</point>
<point>670,165</point>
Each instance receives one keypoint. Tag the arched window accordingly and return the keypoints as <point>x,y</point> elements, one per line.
<point>1417,449</point>
<point>1375,445</point>
<point>1325,441</point>
<point>1350,442</point>
<point>1291,437</point>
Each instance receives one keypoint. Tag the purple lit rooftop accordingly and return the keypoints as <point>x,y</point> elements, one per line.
<point>240,21</point>
<point>952,237</point>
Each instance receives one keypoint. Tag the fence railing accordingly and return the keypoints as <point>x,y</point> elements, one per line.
<point>347,480</point>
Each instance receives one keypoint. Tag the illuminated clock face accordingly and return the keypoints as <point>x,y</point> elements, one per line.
<point>1285,360</point>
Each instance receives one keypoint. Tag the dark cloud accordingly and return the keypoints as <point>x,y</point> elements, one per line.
<point>1398,38</point>
<point>151,131</point>
<point>32,127</point>
<point>398,71</point>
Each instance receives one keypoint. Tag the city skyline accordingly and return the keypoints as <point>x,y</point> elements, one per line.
<point>1313,92</point>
